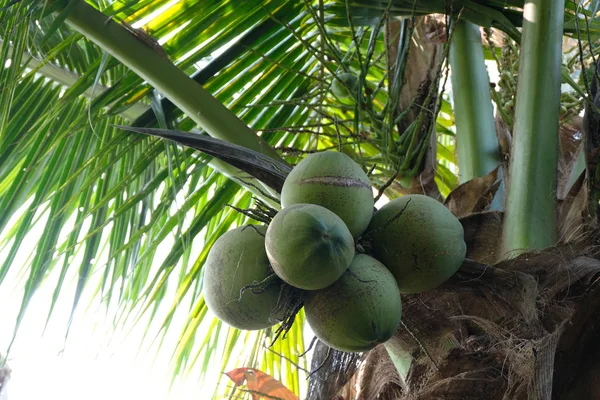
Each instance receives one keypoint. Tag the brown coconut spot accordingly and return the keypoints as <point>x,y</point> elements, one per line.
<point>342,181</point>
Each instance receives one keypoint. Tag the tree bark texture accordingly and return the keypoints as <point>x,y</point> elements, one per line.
<point>524,328</point>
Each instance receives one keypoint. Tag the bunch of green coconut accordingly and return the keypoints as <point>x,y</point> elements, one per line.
<point>350,262</point>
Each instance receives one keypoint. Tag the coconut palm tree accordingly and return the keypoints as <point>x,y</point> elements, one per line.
<point>90,90</point>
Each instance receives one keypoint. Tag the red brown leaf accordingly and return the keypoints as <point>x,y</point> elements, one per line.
<point>260,385</point>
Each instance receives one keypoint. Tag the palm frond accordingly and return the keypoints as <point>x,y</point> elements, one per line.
<point>108,197</point>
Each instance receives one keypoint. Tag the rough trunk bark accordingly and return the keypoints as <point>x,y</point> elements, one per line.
<point>518,329</point>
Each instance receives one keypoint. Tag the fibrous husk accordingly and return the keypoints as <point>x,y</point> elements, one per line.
<point>521,328</point>
<point>482,236</point>
<point>377,377</point>
<point>518,329</point>
<point>507,322</point>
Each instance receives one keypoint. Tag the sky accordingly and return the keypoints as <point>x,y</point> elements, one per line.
<point>91,365</point>
<point>95,362</point>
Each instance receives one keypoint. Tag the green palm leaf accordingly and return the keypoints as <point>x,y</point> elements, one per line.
<point>111,197</point>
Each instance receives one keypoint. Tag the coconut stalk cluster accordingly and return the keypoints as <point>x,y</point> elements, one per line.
<point>350,262</point>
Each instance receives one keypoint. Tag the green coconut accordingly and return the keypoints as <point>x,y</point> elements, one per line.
<point>419,240</point>
<point>334,181</point>
<point>359,311</point>
<point>309,246</point>
<point>237,259</point>
<point>345,85</point>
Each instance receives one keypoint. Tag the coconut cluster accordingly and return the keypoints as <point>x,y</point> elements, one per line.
<point>352,297</point>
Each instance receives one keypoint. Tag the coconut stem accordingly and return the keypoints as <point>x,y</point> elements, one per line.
<point>289,303</point>
<point>254,214</point>
<point>395,217</point>
<point>386,185</point>
<point>260,287</point>
<point>476,140</point>
<point>264,208</point>
<point>530,219</point>
<point>310,346</point>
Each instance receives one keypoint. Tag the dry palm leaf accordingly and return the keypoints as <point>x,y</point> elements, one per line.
<point>260,385</point>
